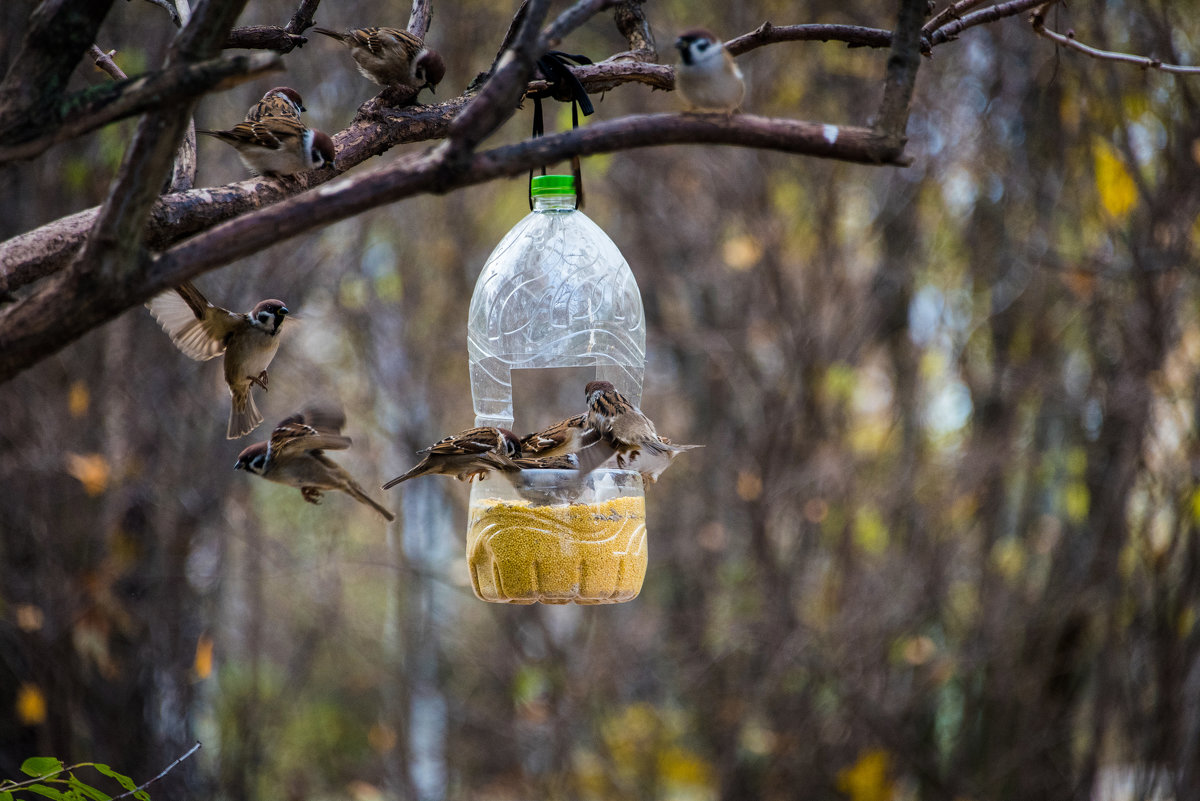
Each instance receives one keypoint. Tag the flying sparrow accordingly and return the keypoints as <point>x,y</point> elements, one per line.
<point>204,331</point>
<point>276,146</point>
<point>466,455</point>
<point>625,430</point>
<point>707,76</point>
<point>565,436</point>
<point>294,456</point>
<point>282,101</point>
<point>392,57</point>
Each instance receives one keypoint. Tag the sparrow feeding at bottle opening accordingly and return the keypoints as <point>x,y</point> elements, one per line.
<point>466,455</point>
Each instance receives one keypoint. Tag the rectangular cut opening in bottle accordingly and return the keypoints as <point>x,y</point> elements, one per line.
<point>542,397</point>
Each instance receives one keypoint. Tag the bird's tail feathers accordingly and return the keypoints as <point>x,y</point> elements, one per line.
<point>356,492</point>
<point>244,416</point>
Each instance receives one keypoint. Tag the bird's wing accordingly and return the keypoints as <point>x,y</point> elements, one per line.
<point>293,435</point>
<point>197,327</point>
<point>473,441</point>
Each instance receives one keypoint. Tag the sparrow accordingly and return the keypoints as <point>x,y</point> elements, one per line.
<point>276,146</point>
<point>295,456</point>
<point>625,431</point>
<point>466,455</point>
<point>707,76</point>
<point>282,101</point>
<point>391,57</point>
<point>651,466</point>
<point>204,331</point>
<point>564,437</point>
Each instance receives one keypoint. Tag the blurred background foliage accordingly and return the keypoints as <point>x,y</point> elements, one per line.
<point>941,542</point>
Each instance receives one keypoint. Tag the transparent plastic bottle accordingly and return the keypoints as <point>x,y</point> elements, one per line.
<point>555,293</point>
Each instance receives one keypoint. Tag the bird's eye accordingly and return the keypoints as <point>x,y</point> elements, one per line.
<point>702,45</point>
<point>257,463</point>
<point>264,316</point>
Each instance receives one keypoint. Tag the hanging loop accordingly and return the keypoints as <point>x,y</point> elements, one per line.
<point>564,87</point>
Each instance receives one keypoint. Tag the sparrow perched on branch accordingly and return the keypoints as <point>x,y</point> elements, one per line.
<point>276,146</point>
<point>466,455</point>
<point>392,57</point>
<point>707,76</point>
<point>294,456</point>
<point>204,331</point>
<point>625,431</point>
<point>564,437</point>
<point>282,101</point>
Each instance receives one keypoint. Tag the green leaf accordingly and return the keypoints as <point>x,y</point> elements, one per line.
<point>41,766</point>
<point>86,790</point>
<point>49,792</point>
<point>5,795</point>
<point>125,781</point>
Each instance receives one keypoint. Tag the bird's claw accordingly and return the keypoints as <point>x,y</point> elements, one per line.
<point>311,494</point>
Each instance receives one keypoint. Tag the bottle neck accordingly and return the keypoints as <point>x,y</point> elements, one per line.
<point>554,203</point>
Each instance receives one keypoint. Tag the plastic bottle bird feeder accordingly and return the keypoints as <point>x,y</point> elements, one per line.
<point>555,293</point>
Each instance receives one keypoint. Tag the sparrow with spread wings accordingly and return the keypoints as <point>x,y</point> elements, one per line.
<point>204,331</point>
<point>466,455</point>
<point>295,456</point>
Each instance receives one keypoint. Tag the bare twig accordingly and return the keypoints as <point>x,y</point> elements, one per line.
<point>264,37</point>
<point>1068,40</point>
<point>983,16</point>
<point>169,7</point>
<point>101,105</point>
<point>164,772</point>
<point>105,63</point>
<point>951,12</point>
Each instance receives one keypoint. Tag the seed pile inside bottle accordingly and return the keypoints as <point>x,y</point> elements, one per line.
<point>586,553</point>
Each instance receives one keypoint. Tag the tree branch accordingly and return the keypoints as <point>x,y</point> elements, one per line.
<point>1068,40</point>
<point>105,63</point>
<point>302,20</point>
<point>983,16</point>
<point>110,253</point>
<point>419,17</point>
<point>852,35</point>
<point>100,105</point>
<point>59,33</point>
<point>632,23</point>
<point>264,37</point>
<point>950,12</point>
<point>902,67</point>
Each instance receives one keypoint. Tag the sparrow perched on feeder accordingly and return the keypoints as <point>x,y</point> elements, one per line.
<point>466,455</point>
<point>651,466</point>
<point>564,437</point>
<point>529,484</point>
<point>625,431</point>
<point>392,57</point>
<point>282,101</point>
<point>204,331</point>
<point>277,146</point>
<point>707,76</point>
<point>295,456</point>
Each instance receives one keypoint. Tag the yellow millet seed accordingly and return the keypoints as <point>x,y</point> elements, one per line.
<point>585,553</point>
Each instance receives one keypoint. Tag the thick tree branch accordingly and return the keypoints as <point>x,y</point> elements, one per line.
<point>110,253</point>
<point>419,17</point>
<point>302,20</point>
<point>60,31</point>
<point>632,23</point>
<point>264,37</point>
<point>107,103</point>
<point>852,35</point>
<point>902,68</point>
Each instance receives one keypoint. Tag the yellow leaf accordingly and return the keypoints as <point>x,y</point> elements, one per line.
<point>741,252</point>
<point>867,779</point>
<point>91,470</point>
<point>78,399</point>
<point>749,485</point>
<point>1118,193</point>
<point>31,705</point>
<point>870,532</point>
<point>1076,501</point>
<point>203,662</point>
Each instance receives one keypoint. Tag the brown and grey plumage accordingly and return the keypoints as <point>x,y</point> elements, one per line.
<point>626,432</point>
<point>466,455</point>
<point>565,436</point>
<point>391,56</point>
<point>294,456</point>
<point>281,101</point>
<point>277,145</point>
<point>248,341</point>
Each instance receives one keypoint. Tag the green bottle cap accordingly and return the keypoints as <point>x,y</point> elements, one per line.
<point>553,185</point>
